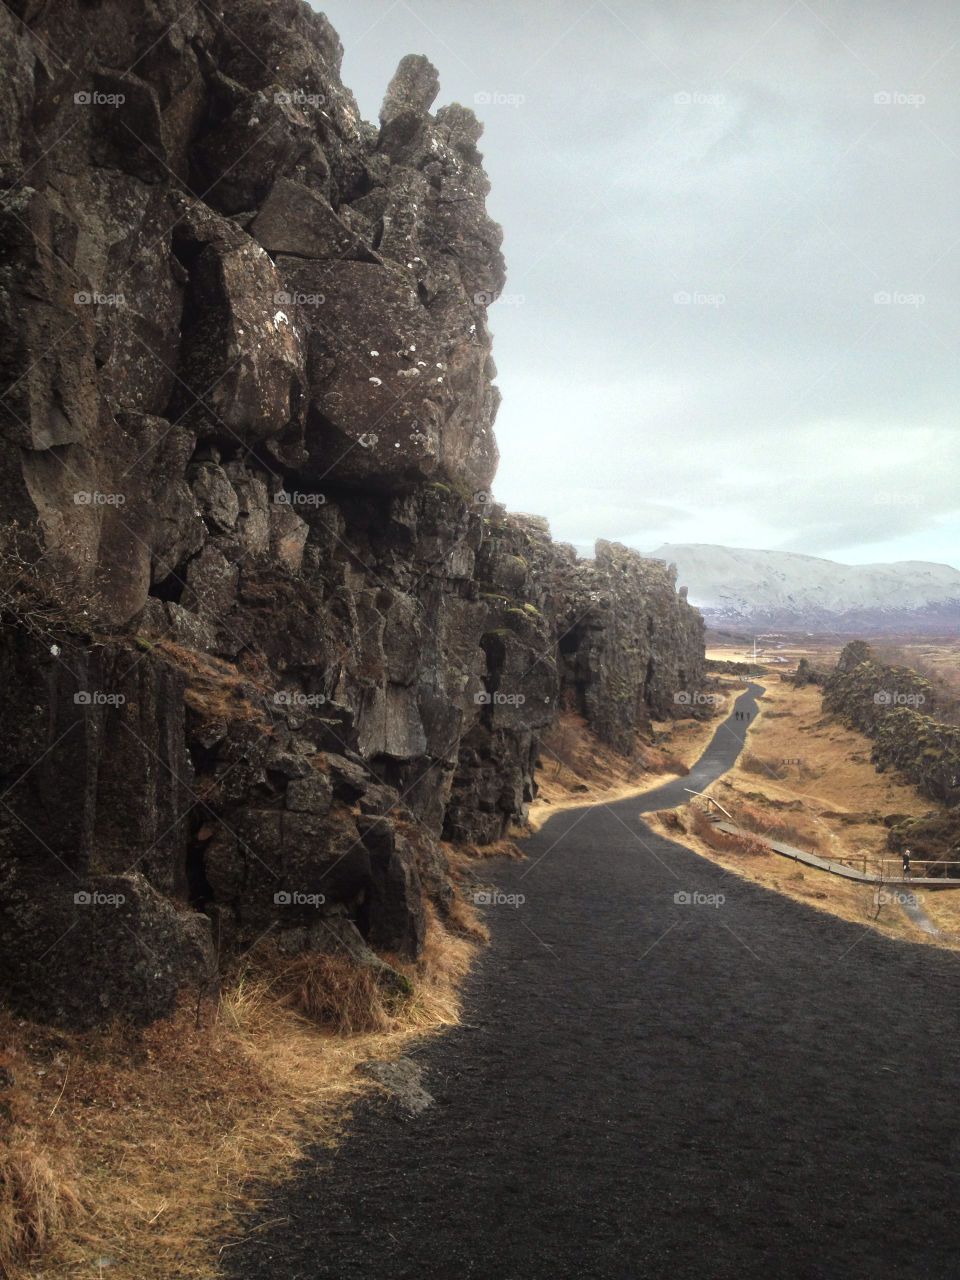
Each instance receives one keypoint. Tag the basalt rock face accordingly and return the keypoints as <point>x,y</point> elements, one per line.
<point>631,647</point>
<point>897,708</point>
<point>266,642</point>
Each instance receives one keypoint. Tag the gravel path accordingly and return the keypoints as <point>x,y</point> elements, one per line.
<point>720,755</point>
<point>643,1086</point>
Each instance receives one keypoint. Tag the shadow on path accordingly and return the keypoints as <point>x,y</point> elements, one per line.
<point>663,1070</point>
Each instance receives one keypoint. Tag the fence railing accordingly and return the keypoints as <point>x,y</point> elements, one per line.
<point>920,869</point>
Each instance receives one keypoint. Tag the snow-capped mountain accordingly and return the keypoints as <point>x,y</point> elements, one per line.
<point>781,591</point>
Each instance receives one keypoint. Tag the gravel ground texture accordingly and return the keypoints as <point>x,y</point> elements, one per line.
<point>663,1070</point>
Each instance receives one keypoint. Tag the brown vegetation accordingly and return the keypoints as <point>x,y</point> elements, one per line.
<point>142,1146</point>
<point>828,799</point>
<point>725,841</point>
<point>576,768</point>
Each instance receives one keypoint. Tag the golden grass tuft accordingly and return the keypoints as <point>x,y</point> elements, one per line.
<point>439,973</point>
<point>329,991</point>
<point>464,919</point>
<point>148,1145</point>
<point>38,1200</point>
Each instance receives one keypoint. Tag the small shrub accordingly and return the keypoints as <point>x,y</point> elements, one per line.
<point>333,992</point>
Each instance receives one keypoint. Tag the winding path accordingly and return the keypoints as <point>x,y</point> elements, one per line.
<point>647,1086</point>
<point>720,755</point>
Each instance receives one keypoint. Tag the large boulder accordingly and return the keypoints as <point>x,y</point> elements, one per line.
<point>80,951</point>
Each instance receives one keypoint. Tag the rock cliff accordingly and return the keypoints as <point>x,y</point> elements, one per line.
<point>267,641</point>
<point>896,707</point>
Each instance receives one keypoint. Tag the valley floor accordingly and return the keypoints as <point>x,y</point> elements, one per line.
<point>807,780</point>
<point>651,1073</point>
<point>662,1069</point>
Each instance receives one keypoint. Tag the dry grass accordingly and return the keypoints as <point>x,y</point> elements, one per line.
<point>845,899</point>
<point>330,991</point>
<point>723,841</point>
<point>38,1199</point>
<point>770,823</point>
<point>146,1147</point>
<point>506,848</point>
<point>832,802</point>
<point>217,689</point>
<point>463,919</point>
<point>578,769</point>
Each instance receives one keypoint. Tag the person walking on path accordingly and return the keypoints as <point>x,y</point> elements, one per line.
<point>906,863</point>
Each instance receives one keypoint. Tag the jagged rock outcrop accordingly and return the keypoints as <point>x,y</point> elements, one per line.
<point>806,673</point>
<point>265,640</point>
<point>896,707</point>
<point>630,645</point>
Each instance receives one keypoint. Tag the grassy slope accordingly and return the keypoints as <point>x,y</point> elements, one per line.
<point>832,803</point>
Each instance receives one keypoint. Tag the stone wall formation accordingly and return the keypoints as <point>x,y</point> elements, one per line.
<point>267,639</point>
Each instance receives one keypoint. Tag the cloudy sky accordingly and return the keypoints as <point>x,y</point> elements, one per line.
<point>732,233</point>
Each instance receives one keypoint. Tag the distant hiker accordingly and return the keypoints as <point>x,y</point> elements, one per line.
<point>906,863</point>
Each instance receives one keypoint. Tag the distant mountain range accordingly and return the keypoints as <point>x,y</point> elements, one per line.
<point>781,591</point>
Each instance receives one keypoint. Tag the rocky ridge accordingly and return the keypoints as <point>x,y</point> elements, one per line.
<point>267,642</point>
<point>897,708</point>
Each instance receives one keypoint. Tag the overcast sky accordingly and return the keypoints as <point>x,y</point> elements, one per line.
<point>790,168</point>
